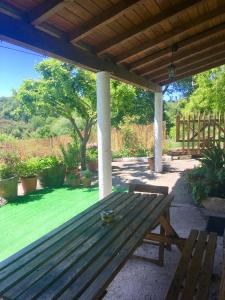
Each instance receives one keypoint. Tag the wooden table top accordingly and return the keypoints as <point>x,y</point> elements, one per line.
<point>82,256</point>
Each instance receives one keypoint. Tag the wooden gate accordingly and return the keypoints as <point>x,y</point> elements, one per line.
<point>197,132</point>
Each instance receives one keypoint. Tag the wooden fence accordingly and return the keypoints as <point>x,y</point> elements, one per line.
<point>197,132</point>
<point>144,135</point>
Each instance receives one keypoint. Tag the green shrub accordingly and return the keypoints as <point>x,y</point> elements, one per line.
<point>86,173</point>
<point>8,165</point>
<point>49,162</point>
<point>92,153</point>
<point>209,179</point>
<point>6,171</point>
<point>71,156</point>
<point>29,168</point>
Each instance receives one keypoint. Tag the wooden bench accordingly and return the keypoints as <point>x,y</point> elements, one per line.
<point>194,271</point>
<point>222,282</point>
<point>154,189</point>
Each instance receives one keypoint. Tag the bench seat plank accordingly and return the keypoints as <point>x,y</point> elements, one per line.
<point>193,275</point>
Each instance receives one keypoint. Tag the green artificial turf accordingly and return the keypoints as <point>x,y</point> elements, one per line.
<point>30,217</point>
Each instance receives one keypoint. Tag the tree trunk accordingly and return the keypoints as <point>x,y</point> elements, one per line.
<point>83,145</point>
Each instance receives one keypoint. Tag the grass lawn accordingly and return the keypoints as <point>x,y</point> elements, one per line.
<point>32,216</point>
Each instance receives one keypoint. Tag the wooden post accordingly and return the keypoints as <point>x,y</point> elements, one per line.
<point>183,133</point>
<point>203,131</point>
<point>214,128</point>
<point>178,128</point>
<point>193,132</point>
<point>199,131</point>
<point>209,124</point>
<point>219,133</point>
<point>188,137</point>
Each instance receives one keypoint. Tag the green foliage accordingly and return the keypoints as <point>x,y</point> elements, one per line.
<point>86,174</point>
<point>209,179</point>
<point>29,168</point>
<point>71,156</point>
<point>49,162</point>
<point>209,94</point>
<point>6,171</point>
<point>128,101</point>
<point>92,153</point>
<point>132,152</point>
<point>6,138</point>
<point>128,136</point>
<point>8,165</point>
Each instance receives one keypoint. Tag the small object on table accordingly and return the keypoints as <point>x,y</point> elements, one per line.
<point>107,216</point>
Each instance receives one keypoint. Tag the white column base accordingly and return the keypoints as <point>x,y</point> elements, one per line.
<point>158,131</point>
<point>104,134</point>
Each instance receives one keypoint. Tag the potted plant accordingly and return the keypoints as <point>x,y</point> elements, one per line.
<point>73,180</point>
<point>52,171</point>
<point>8,176</point>
<point>86,177</point>
<point>28,171</point>
<point>92,159</point>
<point>71,157</point>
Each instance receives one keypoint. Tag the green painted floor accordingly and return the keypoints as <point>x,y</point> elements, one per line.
<point>32,216</point>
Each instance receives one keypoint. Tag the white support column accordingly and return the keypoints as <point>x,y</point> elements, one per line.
<point>158,131</point>
<point>104,134</point>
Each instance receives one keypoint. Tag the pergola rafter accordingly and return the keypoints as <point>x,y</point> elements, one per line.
<point>182,61</point>
<point>168,36</point>
<point>183,47</point>
<point>105,18</point>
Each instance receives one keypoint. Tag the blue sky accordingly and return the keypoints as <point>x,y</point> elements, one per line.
<point>15,66</point>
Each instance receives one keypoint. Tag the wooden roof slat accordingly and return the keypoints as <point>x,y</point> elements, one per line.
<point>46,9</point>
<point>146,25</point>
<point>169,36</point>
<point>24,34</point>
<point>202,52</point>
<point>194,71</point>
<point>106,17</point>
<point>148,60</point>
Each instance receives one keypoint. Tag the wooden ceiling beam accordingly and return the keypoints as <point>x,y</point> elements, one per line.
<point>146,25</point>
<point>103,19</point>
<point>194,72</point>
<point>183,48</point>
<point>45,10</point>
<point>170,36</point>
<point>196,68</point>
<point>208,50</point>
<point>11,11</point>
<point>23,34</point>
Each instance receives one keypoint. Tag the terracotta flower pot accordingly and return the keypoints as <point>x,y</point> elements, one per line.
<point>151,163</point>
<point>29,184</point>
<point>86,181</point>
<point>92,165</point>
<point>8,188</point>
<point>52,177</point>
<point>72,181</point>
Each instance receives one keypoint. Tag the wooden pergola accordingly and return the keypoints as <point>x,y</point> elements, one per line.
<point>130,40</point>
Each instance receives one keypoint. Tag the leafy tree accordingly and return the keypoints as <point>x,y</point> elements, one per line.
<point>128,101</point>
<point>179,89</point>
<point>63,91</point>
<point>209,94</point>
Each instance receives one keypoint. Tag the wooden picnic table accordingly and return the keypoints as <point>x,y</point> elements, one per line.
<point>80,258</point>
